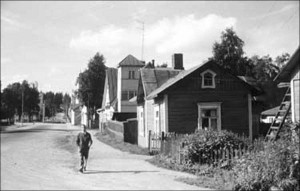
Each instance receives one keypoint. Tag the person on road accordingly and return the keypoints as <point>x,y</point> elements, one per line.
<point>84,142</point>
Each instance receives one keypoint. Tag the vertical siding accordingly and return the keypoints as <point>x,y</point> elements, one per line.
<point>184,96</point>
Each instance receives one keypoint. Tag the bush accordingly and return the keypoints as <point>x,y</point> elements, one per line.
<point>277,165</point>
<point>203,142</point>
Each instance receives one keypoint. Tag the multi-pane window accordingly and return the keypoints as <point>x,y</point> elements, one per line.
<point>209,115</point>
<point>128,94</point>
<point>131,75</point>
<point>209,118</point>
<point>208,79</point>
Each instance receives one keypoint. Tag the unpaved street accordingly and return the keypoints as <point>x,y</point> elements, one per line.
<point>44,157</point>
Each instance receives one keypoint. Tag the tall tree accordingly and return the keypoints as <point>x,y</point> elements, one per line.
<point>91,84</point>
<point>66,103</point>
<point>18,98</point>
<point>229,53</point>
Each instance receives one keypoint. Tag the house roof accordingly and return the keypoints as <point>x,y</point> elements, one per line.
<point>75,106</point>
<point>286,72</point>
<point>185,73</point>
<point>130,61</point>
<point>112,77</point>
<point>153,78</point>
<point>272,111</point>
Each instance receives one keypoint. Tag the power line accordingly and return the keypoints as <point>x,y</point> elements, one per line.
<point>143,37</point>
<point>272,6</point>
<point>288,20</point>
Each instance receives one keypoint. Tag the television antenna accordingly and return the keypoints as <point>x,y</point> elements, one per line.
<point>143,37</point>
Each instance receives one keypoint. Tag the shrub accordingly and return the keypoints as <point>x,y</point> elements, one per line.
<point>277,165</point>
<point>203,142</point>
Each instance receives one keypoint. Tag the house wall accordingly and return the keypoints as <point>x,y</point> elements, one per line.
<point>184,96</point>
<point>125,84</point>
<point>295,83</point>
<point>148,111</point>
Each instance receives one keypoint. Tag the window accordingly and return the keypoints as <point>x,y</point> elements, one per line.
<point>128,94</point>
<point>157,129</point>
<point>209,116</point>
<point>208,79</point>
<point>131,75</point>
<point>141,122</point>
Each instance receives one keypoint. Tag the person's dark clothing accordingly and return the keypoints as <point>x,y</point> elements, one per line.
<point>84,141</point>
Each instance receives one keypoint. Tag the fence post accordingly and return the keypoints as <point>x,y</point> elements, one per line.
<point>149,141</point>
<point>162,145</point>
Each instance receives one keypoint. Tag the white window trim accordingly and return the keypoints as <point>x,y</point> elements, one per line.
<point>210,105</point>
<point>156,119</point>
<point>213,79</point>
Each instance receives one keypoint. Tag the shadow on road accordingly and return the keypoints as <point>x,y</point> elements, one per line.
<point>37,130</point>
<point>121,171</point>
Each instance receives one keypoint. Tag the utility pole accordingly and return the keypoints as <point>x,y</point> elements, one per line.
<point>143,29</point>
<point>22,116</point>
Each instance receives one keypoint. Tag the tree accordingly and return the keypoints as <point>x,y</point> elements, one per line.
<point>91,84</point>
<point>229,53</point>
<point>66,103</point>
<point>16,95</point>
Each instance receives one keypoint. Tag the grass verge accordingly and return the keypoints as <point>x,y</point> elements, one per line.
<point>207,176</point>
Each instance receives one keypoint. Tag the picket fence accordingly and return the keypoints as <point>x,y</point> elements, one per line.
<point>173,146</point>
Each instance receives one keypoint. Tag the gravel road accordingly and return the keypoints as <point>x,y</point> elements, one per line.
<point>44,157</point>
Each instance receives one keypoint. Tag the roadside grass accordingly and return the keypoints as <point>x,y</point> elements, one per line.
<point>117,142</point>
<point>207,176</point>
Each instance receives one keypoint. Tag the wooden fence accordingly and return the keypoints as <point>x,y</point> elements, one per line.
<point>174,146</point>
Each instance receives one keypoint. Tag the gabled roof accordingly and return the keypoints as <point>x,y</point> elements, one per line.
<point>286,72</point>
<point>272,111</point>
<point>112,77</point>
<point>185,73</point>
<point>75,106</point>
<point>130,61</point>
<point>153,78</point>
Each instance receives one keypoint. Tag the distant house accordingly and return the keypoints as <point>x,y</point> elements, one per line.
<point>128,73</point>
<point>109,101</point>
<point>75,114</point>
<point>268,116</point>
<point>120,86</point>
<point>291,74</point>
<point>203,97</point>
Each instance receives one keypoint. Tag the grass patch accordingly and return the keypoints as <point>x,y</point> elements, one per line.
<point>118,143</point>
<point>207,176</point>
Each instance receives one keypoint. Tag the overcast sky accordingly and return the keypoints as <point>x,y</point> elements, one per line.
<point>51,42</point>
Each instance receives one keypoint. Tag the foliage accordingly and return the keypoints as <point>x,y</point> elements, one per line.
<point>66,101</point>
<point>277,165</point>
<point>17,93</point>
<point>205,141</point>
<point>91,83</point>
<point>229,53</point>
<point>53,103</point>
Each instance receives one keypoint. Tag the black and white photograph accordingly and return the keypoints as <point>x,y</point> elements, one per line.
<point>150,95</point>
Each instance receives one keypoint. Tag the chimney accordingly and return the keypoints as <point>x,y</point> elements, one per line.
<point>153,63</point>
<point>177,61</point>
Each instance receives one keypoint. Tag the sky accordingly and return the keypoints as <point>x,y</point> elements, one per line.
<point>50,42</point>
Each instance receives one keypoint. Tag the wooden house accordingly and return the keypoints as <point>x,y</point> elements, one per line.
<point>205,96</point>
<point>290,75</point>
<point>109,100</point>
<point>120,86</point>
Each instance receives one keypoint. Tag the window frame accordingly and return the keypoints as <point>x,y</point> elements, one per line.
<point>213,85</point>
<point>207,106</point>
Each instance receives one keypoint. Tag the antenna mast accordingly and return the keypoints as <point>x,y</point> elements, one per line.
<point>143,29</point>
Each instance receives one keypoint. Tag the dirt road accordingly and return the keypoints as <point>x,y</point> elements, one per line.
<point>44,157</point>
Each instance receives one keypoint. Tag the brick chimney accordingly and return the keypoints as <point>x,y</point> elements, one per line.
<point>177,61</point>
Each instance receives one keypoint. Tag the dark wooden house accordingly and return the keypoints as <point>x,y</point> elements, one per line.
<point>202,97</point>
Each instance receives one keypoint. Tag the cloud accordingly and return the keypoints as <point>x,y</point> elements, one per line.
<point>11,20</point>
<point>5,60</point>
<point>165,36</point>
